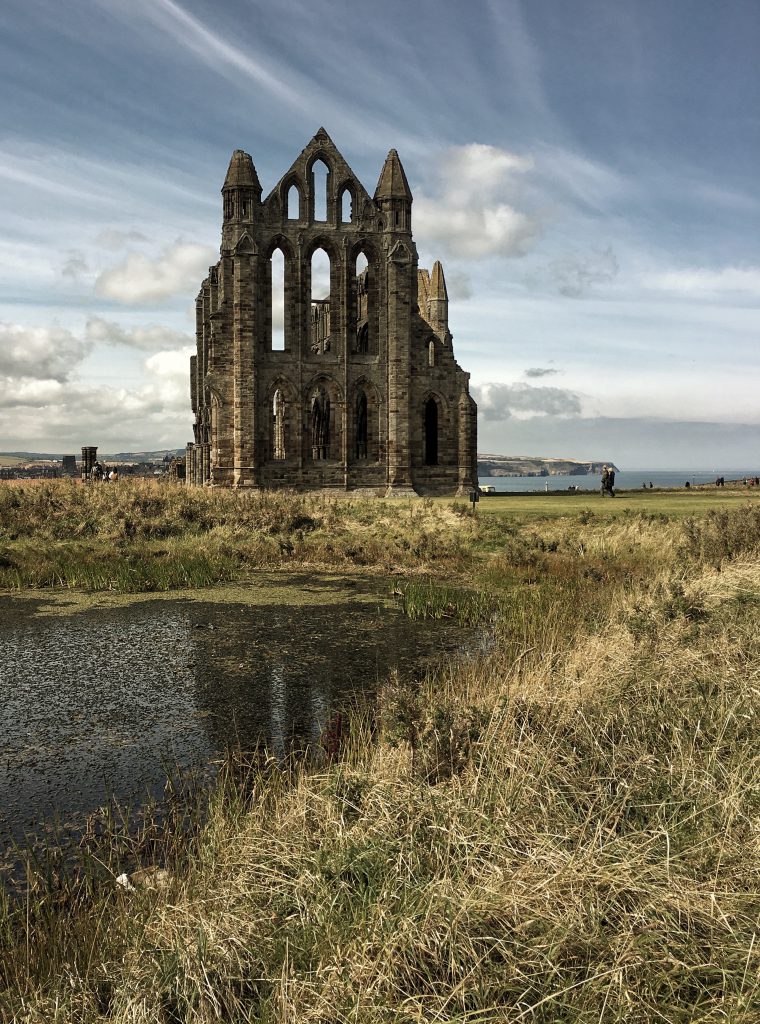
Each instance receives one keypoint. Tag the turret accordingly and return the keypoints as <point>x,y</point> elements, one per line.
<point>241,194</point>
<point>438,303</point>
<point>394,196</point>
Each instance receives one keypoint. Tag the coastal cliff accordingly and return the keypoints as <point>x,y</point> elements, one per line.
<point>525,465</point>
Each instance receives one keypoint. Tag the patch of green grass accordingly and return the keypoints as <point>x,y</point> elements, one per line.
<point>525,507</point>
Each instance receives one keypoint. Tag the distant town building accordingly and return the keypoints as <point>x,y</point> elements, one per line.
<point>363,391</point>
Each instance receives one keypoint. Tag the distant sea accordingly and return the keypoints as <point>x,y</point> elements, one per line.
<point>625,480</point>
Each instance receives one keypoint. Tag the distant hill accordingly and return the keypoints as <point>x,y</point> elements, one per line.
<point>526,465</point>
<point>17,458</point>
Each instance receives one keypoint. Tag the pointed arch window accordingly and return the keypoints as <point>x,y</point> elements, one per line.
<point>361,424</point>
<point>278,300</point>
<point>362,303</point>
<point>320,326</point>
<point>431,432</point>
<point>319,412</point>
<point>294,202</point>
<point>346,206</point>
<point>278,425</point>
<point>319,178</point>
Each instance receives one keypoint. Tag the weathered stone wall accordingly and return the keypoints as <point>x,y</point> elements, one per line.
<point>365,392</point>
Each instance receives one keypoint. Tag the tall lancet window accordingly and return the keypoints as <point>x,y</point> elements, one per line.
<point>278,301</point>
<point>320,327</point>
<point>361,303</point>
<point>361,425</point>
<point>320,425</point>
<point>431,432</point>
<point>319,193</point>
<point>278,425</point>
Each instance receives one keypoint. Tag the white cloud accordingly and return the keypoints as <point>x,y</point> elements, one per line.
<point>40,353</point>
<point>574,274</point>
<point>695,281</point>
<point>112,238</point>
<point>75,265</point>
<point>46,415</point>
<point>138,279</point>
<point>501,401</point>
<point>472,216</point>
<point>540,371</point>
<point>151,338</point>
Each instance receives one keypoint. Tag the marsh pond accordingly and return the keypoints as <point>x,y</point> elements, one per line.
<point>100,695</point>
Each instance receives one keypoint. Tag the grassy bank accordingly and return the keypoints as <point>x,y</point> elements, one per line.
<point>562,828</point>
<point>140,536</point>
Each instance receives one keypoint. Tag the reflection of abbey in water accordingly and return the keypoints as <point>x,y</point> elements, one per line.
<point>324,357</point>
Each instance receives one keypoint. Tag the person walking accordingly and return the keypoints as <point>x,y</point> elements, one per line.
<point>605,479</point>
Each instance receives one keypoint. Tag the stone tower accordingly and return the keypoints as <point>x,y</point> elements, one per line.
<point>358,388</point>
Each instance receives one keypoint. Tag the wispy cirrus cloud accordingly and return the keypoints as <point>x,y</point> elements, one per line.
<point>220,54</point>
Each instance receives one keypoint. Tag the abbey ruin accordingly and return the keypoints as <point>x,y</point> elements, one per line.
<point>354,386</point>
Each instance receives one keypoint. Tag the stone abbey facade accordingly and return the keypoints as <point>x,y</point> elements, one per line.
<point>357,389</point>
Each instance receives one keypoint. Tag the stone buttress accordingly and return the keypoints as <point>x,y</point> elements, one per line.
<point>353,386</point>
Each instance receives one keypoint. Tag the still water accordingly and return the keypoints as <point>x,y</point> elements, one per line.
<point>101,701</point>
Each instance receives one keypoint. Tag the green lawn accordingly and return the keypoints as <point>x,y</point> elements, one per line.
<point>670,502</point>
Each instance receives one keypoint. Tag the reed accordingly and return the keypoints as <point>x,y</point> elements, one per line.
<point>562,827</point>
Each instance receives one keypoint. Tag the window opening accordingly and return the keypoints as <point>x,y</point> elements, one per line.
<point>320,303</point>
<point>346,207</point>
<point>320,425</point>
<point>319,177</point>
<point>431,354</point>
<point>362,303</point>
<point>361,425</point>
<point>278,301</point>
<point>278,433</point>
<point>294,203</point>
<point>431,432</point>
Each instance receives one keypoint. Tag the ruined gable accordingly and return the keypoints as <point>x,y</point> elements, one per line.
<point>346,380</point>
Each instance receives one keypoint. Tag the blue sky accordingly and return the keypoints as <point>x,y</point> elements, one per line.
<point>586,172</point>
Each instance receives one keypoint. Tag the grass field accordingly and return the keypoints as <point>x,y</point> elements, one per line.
<point>564,828</point>
<point>677,503</point>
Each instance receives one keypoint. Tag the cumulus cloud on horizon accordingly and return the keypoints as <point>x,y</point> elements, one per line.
<point>472,216</point>
<point>138,279</point>
<point>46,406</point>
<point>700,281</point>
<point>40,353</point>
<point>502,401</point>
<point>152,338</point>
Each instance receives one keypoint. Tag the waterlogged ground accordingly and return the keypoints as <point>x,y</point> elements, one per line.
<point>100,695</point>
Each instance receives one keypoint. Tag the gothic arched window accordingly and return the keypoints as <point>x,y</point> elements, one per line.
<point>431,432</point>
<point>278,425</point>
<point>278,301</point>
<point>361,425</point>
<point>320,327</point>
<point>319,174</point>
<point>319,413</point>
